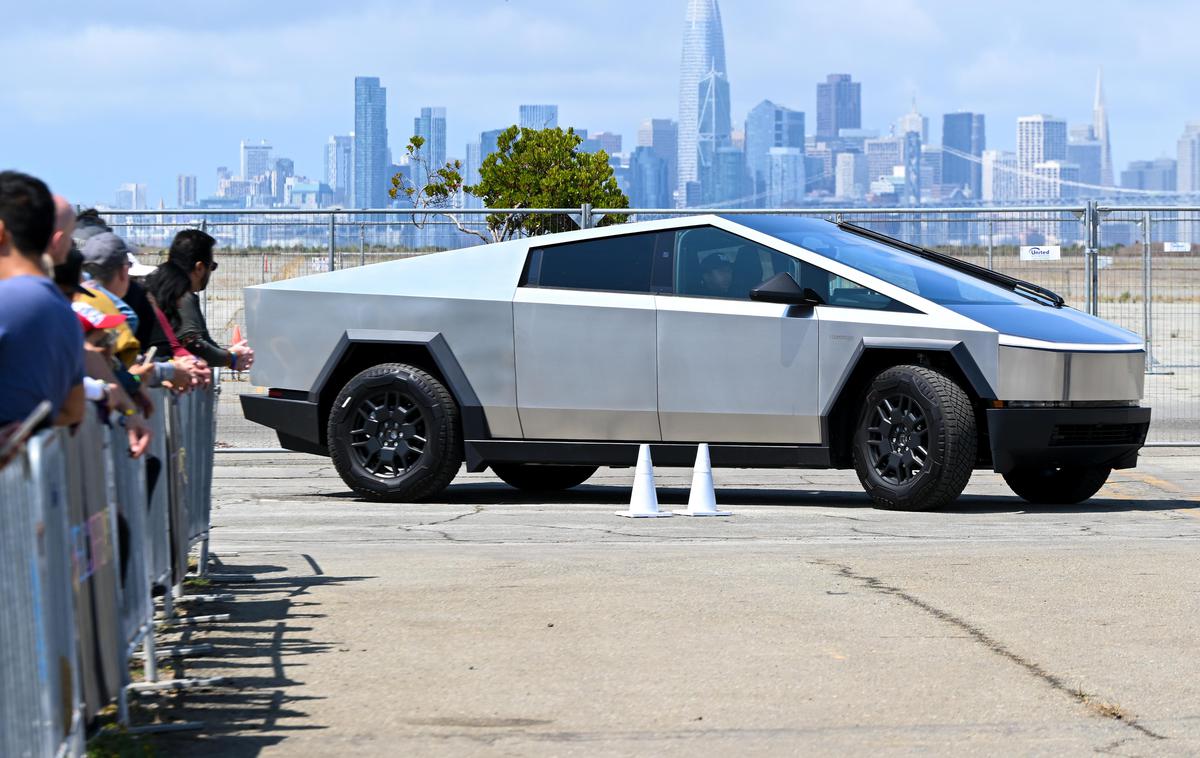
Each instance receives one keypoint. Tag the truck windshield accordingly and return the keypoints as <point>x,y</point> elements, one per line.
<point>980,300</point>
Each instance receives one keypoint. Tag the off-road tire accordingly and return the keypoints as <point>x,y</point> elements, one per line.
<point>1067,485</point>
<point>437,463</point>
<point>949,439</point>
<point>533,477</point>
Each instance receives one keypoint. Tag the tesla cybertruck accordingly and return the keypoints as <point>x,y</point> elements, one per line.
<point>780,341</point>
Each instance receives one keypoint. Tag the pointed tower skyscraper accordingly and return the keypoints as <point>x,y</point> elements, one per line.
<point>1100,127</point>
<point>702,85</point>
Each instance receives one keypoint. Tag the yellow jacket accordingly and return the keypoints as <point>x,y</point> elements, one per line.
<point>128,347</point>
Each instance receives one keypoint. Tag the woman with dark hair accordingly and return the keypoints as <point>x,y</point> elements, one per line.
<point>174,285</point>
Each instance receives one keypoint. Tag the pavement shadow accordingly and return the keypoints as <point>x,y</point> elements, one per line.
<point>262,650</point>
<point>496,493</point>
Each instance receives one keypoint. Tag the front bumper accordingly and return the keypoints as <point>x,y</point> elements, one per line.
<point>1104,436</point>
<point>297,422</point>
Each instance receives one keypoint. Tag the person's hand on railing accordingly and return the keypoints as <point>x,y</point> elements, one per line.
<point>243,356</point>
<point>139,435</point>
<point>192,373</point>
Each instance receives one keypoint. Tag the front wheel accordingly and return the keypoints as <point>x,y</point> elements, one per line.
<point>542,478</point>
<point>914,446</point>
<point>1067,485</point>
<point>394,434</point>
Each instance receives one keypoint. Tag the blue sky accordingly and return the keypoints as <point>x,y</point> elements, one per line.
<point>146,90</point>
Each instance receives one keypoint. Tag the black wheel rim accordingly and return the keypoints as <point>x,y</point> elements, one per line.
<point>389,435</point>
<point>898,439</point>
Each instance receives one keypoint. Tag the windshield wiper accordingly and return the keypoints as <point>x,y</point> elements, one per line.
<point>1019,286</point>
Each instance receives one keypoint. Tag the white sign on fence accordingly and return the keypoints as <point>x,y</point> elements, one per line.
<point>1104,261</point>
<point>1177,247</point>
<point>1041,252</point>
<point>318,264</point>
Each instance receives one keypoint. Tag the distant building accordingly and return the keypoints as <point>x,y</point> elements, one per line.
<point>339,166</point>
<point>702,78</point>
<point>608,142</point>
<point>282,169</point>
<point>649,180</point>
<point>1100,126</point>
<point>839,105</point>
<point>299,192</point>
<point>1040,139</point>
<point>883,155</point>
<point>715,129</point>
<point>256,159</point>
<point>1156,176</point>
<point>1085,151</point>
<point>487,143</point>
<point>1187,178</point>
<point>662,136</point>
<point>819,161</point>
<point>470,174</point>
<point>185,191</point>
<point>431,127</point>
<point>538,117</point>
<point>769,126</point>
<point>1054,180</point>
<point>932,161</point>
<point>785,177</point>
<point>724,183</point>
<point>912,168</point>
<point>850,176</point>
<point>371,164</point>
<point>999,176</point>
<point>963,143</point>
<point>131,197</point>
<point>913,122</point>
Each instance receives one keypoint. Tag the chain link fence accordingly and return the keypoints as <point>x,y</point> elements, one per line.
<point>1137,266</point>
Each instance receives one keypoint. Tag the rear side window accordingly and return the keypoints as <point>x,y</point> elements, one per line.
<point>610,264</point>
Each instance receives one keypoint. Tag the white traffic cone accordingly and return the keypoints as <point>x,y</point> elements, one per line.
<point>643,503</point>
<point>702,500</point>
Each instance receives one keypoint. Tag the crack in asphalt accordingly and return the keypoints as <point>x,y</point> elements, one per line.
<point>1092,703</point>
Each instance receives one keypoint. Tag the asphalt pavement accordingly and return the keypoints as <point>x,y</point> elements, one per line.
<point>499,623</point>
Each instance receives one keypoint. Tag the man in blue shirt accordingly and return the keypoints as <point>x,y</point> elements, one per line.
<point>41,342</point>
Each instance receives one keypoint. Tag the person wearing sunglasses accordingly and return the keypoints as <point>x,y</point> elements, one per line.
<point>174,285</point>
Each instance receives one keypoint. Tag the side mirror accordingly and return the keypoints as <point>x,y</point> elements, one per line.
<point>782,288</point>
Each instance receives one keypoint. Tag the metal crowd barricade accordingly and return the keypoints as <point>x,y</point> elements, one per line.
<point>86,532</point>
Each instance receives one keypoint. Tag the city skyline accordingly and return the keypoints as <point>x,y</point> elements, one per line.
<point>606,85</point>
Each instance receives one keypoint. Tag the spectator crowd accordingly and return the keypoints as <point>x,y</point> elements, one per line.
<point>85,327</point>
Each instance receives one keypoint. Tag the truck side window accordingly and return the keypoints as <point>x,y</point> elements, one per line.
<point>610,264</point>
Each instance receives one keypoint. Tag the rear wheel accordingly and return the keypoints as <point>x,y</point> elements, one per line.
<point>535,477</point>
<point>394,434</point>
<point>1057,486</point>
<point>914,446</point>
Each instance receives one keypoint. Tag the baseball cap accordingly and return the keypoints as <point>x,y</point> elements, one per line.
<point>713,261</point>
<point>67,274</point>
<point>91,318</point>
<point>106,251</point>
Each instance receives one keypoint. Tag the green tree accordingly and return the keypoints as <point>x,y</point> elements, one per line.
<point>530,168</point>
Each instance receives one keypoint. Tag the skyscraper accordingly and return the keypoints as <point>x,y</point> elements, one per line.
<point>131,196</point>
<point>648,179</point>
<point>1100,127</point>
<point>185,191</point>
<point>1157,175</point>
<point>339,164</point>
<point>662,136</point>
<point>839,105</point>
<point>850,180</point>
<point>999,176</point>
<point>703,91</point>
<point>431,127</point>
<point>1187,177</point>
<point>1083,149</point>
<point>538,117</point>
<point>882,156</point>
<point>962,138</point>
<point>370,144</point>
<point>769,125</point>
<point>256,159</point>
<point>913,122</point>
<point>1040,138</point>
<point>785,177</point>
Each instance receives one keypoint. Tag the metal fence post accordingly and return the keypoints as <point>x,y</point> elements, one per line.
<point>332,242</point>
<point>1147,293</point>
<point>362,245</point>
<point>1091,221</point>
<point>991,234</point>
<point>585,216</point>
